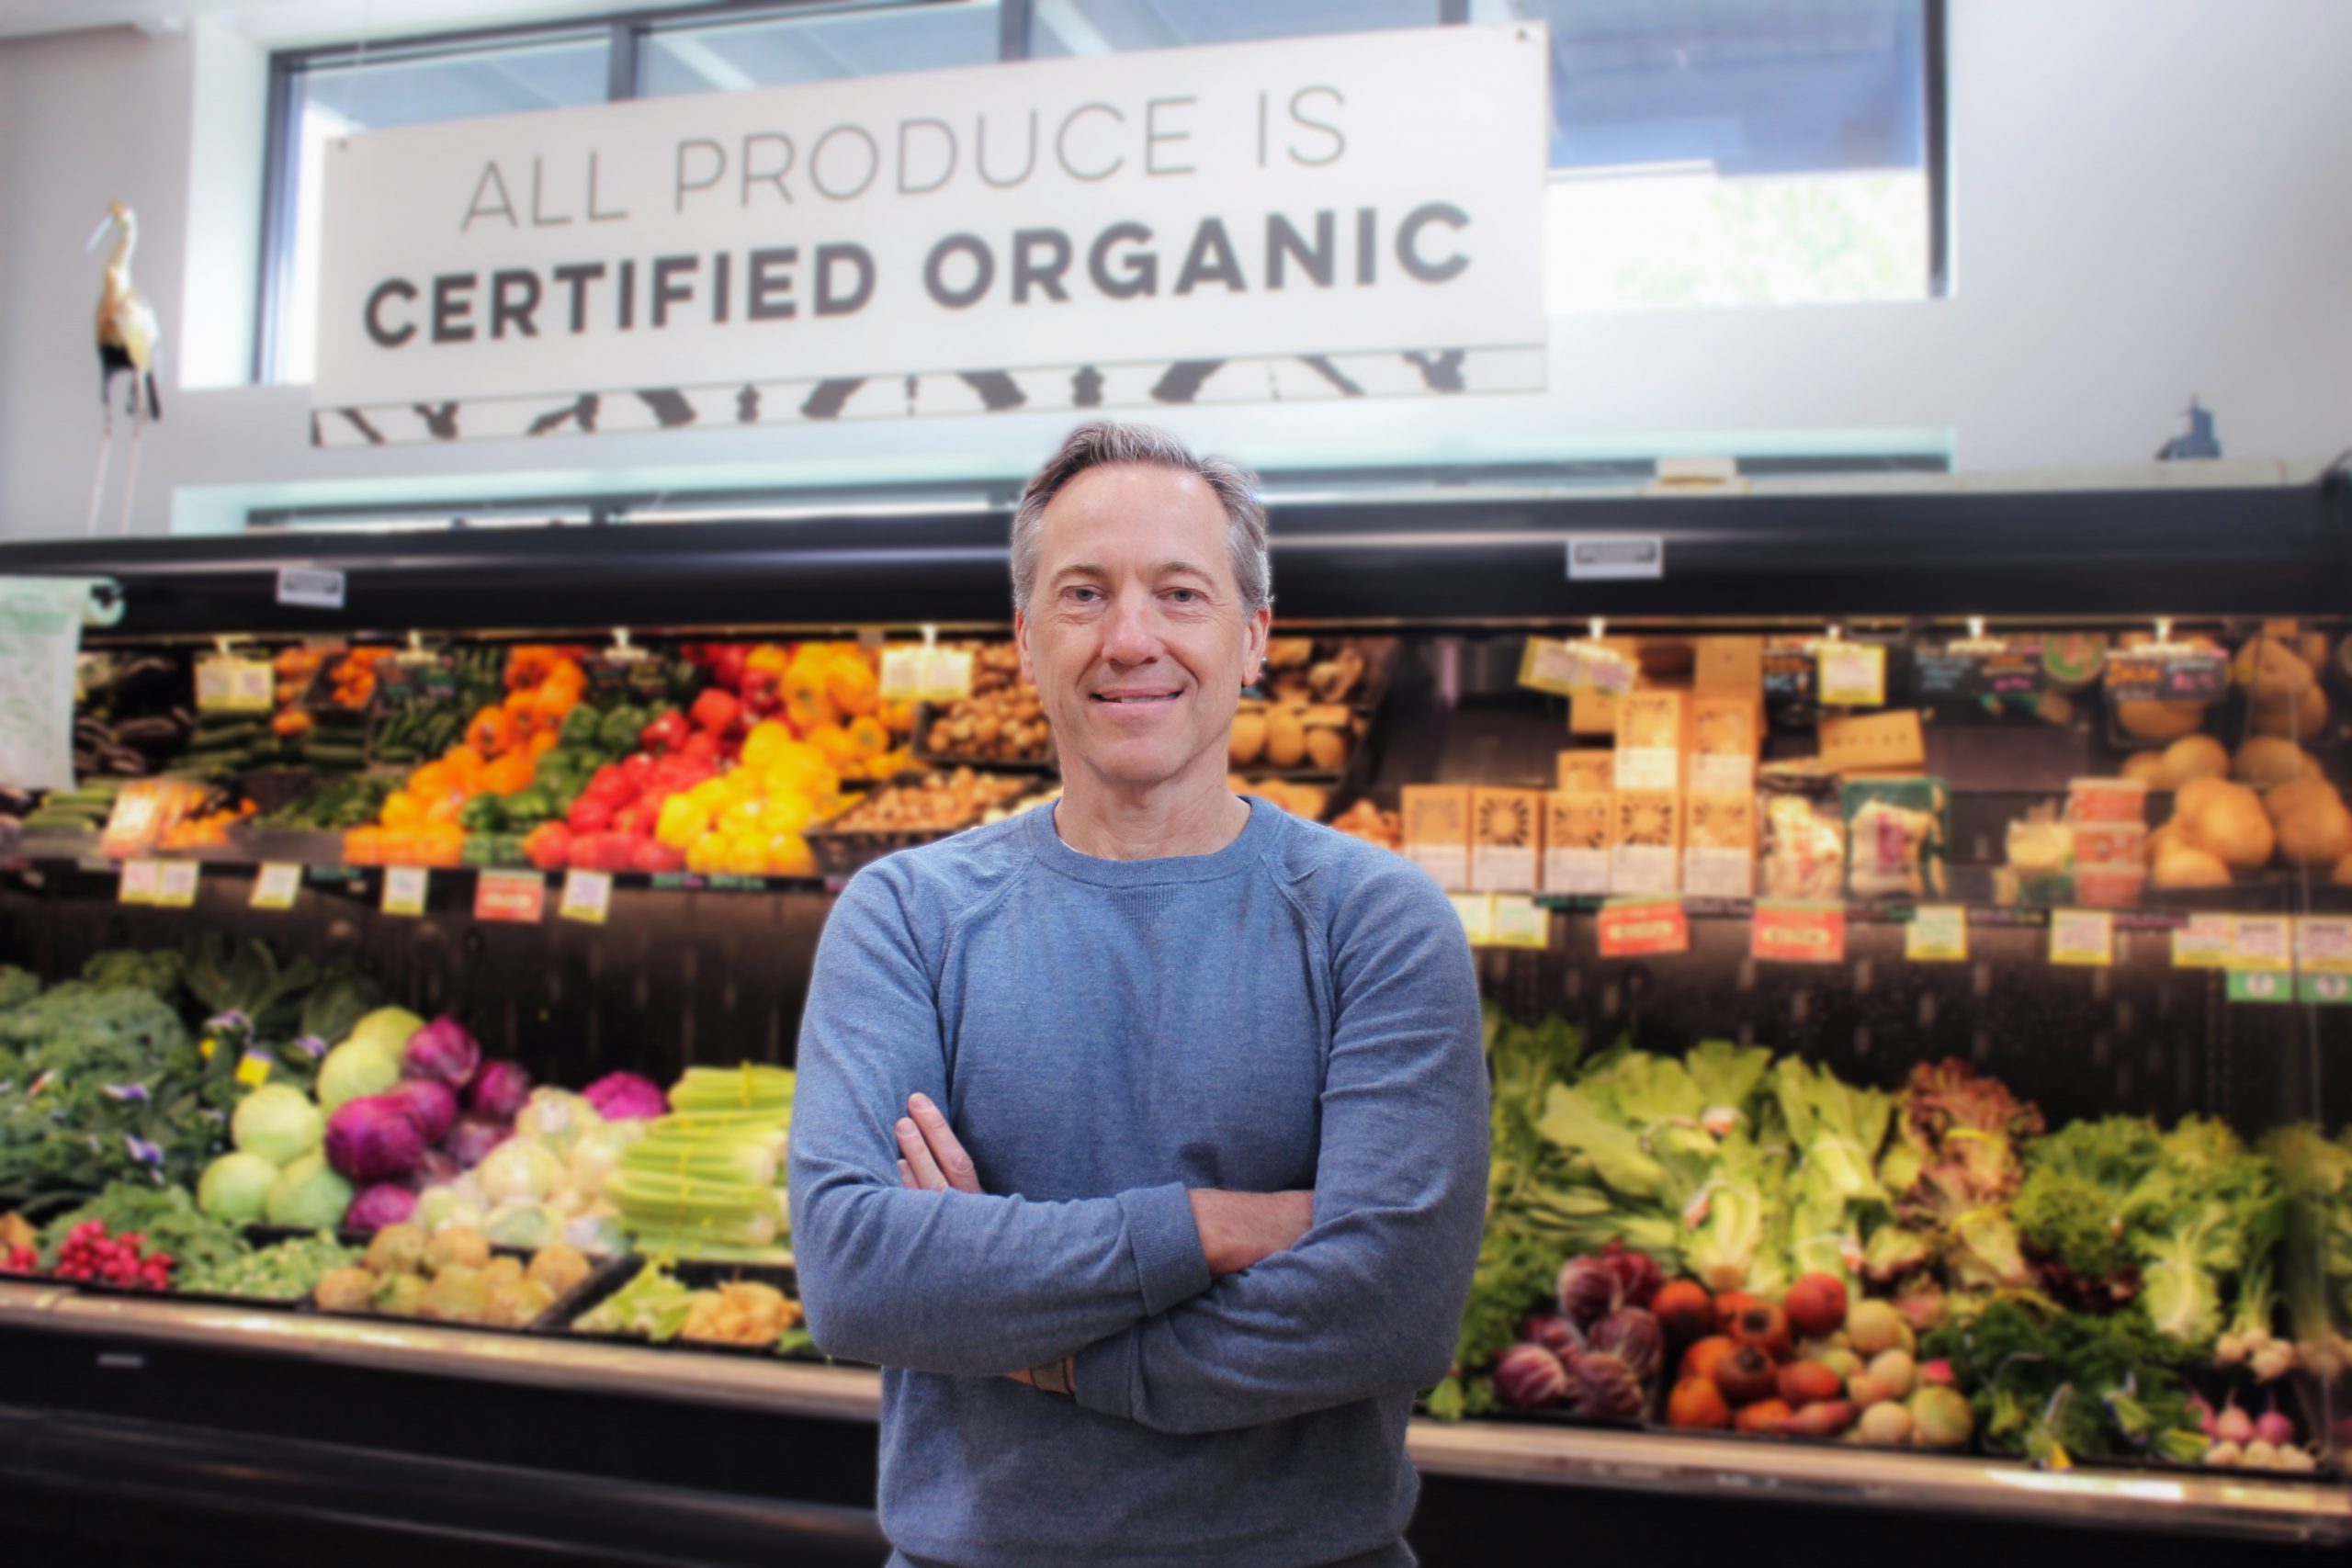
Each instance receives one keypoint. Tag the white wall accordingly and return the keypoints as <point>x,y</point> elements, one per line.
<point>2150,196</point>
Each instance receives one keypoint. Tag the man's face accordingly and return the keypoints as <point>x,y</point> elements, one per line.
<point>1135,633</point>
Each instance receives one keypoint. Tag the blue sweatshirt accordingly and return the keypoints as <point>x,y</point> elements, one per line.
<point>1297,1010</point>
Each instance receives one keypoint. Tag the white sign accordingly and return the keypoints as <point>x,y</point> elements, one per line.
<point>313,587</point>
<point>1335,216</point>
<point>1616,557</point>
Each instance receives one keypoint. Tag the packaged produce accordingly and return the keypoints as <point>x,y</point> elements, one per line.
<point>1896,830</point>
<point>1437,832</point>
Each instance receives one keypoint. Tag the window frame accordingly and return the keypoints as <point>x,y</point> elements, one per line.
<point>625,30</point>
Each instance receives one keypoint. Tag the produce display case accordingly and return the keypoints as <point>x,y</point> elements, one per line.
<point>2080,991</point>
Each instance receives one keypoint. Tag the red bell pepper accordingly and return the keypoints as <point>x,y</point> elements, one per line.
<point>666,733</point>
<point>726,663</point>
<point>637,768</point>
<point>609,785</point>
<point>762,693</point>
<point>655,856</point>
<point>635,821</point>
<point>548,846</point>
<point>715,712</point>
<point>589,814</point>
<point>701,747</point>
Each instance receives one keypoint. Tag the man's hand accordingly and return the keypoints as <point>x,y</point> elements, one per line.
<point>930,1158</point>
<point>1238,1229</point>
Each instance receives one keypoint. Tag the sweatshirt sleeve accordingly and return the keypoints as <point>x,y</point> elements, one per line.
<point>1369,1300</point>
<point>951,1282</point>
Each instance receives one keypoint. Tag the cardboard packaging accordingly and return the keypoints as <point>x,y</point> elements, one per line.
<point>1506,839</point>
<point>1646,853</point>
<point>1719,844</point>
<point>1589,769</point>
<point>1437,832</point>
<point>1653,732</point>
<point>1579,827</point>
<point>1726,736</point>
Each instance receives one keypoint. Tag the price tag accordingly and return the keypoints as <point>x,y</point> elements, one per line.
<point>404,888</point>
<point>176,884</point>
<point>253,1068</point>
<point>2323,944</point>
<point>2260,985</point>
<point>1517,920</point>
<point>1639,926</point>
<point>2202,943</point>
<point>2181,673</point>
<point>517,896</point>
<point>140,878</point>
<point>315,588</point>
<point>1938,935</point>
<point>587,895</point>
<point>1798,933</point>
<point>1477,914</point>
<point>922,672</point>
<point>2324,990</point>
<point>275,884</point>
<point>227,682</point>
<point>1853,675</point>
<point>2262,944</point>
<point>2081,936</point>
<point>1551,665</point>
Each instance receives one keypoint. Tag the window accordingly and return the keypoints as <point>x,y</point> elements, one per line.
<point>321,96</point>
<point>1058,28</point>
<point>1726,153</point>
<point>701,57</point>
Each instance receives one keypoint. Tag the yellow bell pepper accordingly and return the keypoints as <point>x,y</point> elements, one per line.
<point>708,854</point>
<point>682,820</point>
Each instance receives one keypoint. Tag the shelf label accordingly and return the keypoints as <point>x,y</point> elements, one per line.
<point>2081,936</point>
<point>139,880</point>
<point>587,895</point>
<point>1798,933</point>
<point>2260,985</point>
<point>313,587</point>
<point>2167,675</point>
<point>2323,960</point>
<point>2261,944</point>
<point>923,672</point>
<point>517,896</point>
<point>226,683</point>
<point>2324,990</point>
<point>275,884</point>
<point>1853,675</point>
<point>404,890</point>
<point>1515,920</point>
<point>1938,933</point>
<point>1617,557</point>
<point>1477,914</point>
<point>2202,943</point>
<point>1639,926</point>
<point>253,1068</point>
<point>175,883</point>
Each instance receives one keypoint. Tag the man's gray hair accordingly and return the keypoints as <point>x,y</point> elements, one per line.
<point>1103,442</point>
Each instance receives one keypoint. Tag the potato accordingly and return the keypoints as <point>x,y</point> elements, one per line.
<point>2265,761</point>
<point>2279,799</point>
<point>1248,738</point>
<point>2148,768</point>
<point>2315,830</point>
<point>2195,757</point>
<point>2230,824</point>
<point>2312,648</point>
<point>2271,671</point>
<point>1326,748</point>
<point>2184,865</point>
<point>2189,796</point>
<point>2159,721</point>
<point>1285,739</point>
<point>2297,718</point>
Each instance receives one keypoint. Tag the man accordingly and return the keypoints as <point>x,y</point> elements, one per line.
<point>1142,1139</point>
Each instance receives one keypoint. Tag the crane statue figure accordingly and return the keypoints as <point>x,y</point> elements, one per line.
<point>129,341</point>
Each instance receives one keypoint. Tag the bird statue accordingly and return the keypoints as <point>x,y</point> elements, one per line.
<point>129,341</point>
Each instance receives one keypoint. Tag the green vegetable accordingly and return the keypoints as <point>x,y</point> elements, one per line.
<point>2049,1385</point>
<point>18,987</point>
<point>2316,1175</point>
<point>2210,1210</point>
<point>287,1272</point>
<point>308,1196</point>
<point>653,1306</point>
<point>166,1216</point>
<point>235,1189</point>
<point>1837,1131</point>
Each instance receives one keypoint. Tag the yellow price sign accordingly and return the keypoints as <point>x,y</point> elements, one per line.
<point>404,890</point>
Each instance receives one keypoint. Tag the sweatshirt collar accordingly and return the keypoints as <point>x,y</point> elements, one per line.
<point>1247,846</point>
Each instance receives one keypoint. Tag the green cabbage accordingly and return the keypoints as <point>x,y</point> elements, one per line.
<point>356,1069</point>
<point>308,1195</point>
<point>277,1125</point>
<point>235,1188</point>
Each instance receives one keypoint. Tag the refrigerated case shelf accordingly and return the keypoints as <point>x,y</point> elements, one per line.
<point>2231,1505</point>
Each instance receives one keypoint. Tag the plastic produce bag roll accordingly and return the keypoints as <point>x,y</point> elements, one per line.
<point>40,636</point>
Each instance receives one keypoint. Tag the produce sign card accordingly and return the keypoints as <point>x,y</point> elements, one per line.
<point>416,675</point>
<point>140,878</point>
<point>587,895</point>
<point>1798,933</point>
<point>238,685</point>
<point>175,885</point>
<point>1573,668</point>
<point>516,896</point>
<point>2262,944</point>
<point>2082,937</point>
<point>1938,933</point>
<point>1517,920</point>
<point>1988,674</point>
<point>2202,943</point>
<point>275,884</point>
<point>919,672</point>
<point>404,890</point>
<point>1476,911</point>
<point>1641,927</point>
<point>2323,960</point>
<point>1853,675</point>
<point>2167,675</point>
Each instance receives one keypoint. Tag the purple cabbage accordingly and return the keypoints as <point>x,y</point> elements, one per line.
<point>1634,1336</point>
<point>1557,1335</point>
<point>385,1203</point>
<point>1528,1375</point>
<point>442,1051</point>
<point>1594,1285</point>
<point>498,1090</point>
<point>1606,1388</point>
<point>436,1167</point>
<point>373,1139</point>
<point>625,1096</point>
<point>473,1137</point>
<point>428,1103</point>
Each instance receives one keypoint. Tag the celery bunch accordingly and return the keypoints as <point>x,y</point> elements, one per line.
<point>706,1180</point>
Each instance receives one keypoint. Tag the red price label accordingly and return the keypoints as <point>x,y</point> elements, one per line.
<point>1639,929</point>
<point>1798,934</point>
<point>511,895</point>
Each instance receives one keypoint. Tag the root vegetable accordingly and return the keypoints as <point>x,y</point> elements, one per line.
<point>1888,1426</point>
<point>1765,1415</point>
<point>1697,1404</point>
<point>1940,1418</point>
<point>2147,768</point>
<point>1529,1376</point>
<point>1874,1327</point>
<point>2158,720</point>
<point>2184,865</point>
<point>1826,1419</point>
<point>1808,1383</point>
<point>1684,1311</point>
<point>1765,1327</point>
<point>1896,1372</point>
<point>2195,757</point>
<point>1816,1304</point>
<point>2230,824</point>
<point>2314,830</point>
<point>1704,1358</point>
<point>2268,760</point>
<point>1745,1375</point>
